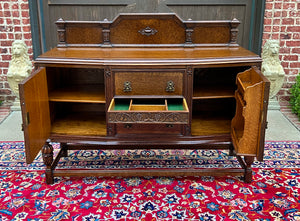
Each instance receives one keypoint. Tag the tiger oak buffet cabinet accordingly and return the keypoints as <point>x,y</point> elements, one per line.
<point>145,81</point>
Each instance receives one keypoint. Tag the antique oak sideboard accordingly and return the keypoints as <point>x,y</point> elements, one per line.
<point>146,81</point>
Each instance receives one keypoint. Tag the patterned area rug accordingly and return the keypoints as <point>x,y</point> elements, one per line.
<point>273,195</point>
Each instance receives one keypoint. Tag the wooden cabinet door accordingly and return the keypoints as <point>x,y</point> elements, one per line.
<point>249,123</point>
<point>35,112</point>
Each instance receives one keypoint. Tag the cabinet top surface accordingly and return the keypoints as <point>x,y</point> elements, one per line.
<point>148,56</point>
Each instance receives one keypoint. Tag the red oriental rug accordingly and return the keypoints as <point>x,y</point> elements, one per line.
<point>273,195</point>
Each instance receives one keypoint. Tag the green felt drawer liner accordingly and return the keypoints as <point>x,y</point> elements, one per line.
<point>124,106</point>
<point>175,107</point>
<point>121,106</point>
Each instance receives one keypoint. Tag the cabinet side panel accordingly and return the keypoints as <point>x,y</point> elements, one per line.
<point>35,113</point>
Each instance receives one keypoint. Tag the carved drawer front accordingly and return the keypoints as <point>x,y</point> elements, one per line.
<point>167,111</point>
<point>148,83</point>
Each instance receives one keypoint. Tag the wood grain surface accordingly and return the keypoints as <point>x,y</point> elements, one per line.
<point>35,112</point>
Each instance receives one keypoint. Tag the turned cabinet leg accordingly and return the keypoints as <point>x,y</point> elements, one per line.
<point>64,149</point>
<point>248,170</point>
<point>47,154</point>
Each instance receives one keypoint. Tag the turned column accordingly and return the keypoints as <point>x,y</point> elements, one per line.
<point>47,154</point>
<point>248,170</point>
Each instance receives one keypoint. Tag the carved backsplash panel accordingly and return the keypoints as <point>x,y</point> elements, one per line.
<point>146,29</point>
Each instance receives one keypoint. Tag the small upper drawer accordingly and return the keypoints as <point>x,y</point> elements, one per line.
<point>148,83</point>
<point>169,111</point>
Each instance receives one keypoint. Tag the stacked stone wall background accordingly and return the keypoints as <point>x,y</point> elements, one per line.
<point>282,21</point>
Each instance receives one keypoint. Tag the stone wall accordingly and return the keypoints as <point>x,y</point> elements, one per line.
<point>14,24</point>
<point>282,21</point>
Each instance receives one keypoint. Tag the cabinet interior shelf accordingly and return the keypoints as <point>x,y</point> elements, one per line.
<point>206,92</point>
<point>83,124</point>
<point>79,93</point>
<point>206,125</point>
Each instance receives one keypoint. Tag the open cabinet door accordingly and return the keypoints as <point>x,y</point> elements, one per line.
<point>35,112</point>
<point>249,123</point>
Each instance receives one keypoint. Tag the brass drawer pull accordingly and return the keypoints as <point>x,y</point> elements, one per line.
<point>170,86</point>
<point>127,86</point>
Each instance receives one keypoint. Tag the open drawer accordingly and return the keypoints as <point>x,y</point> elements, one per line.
<point>146,110</point>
